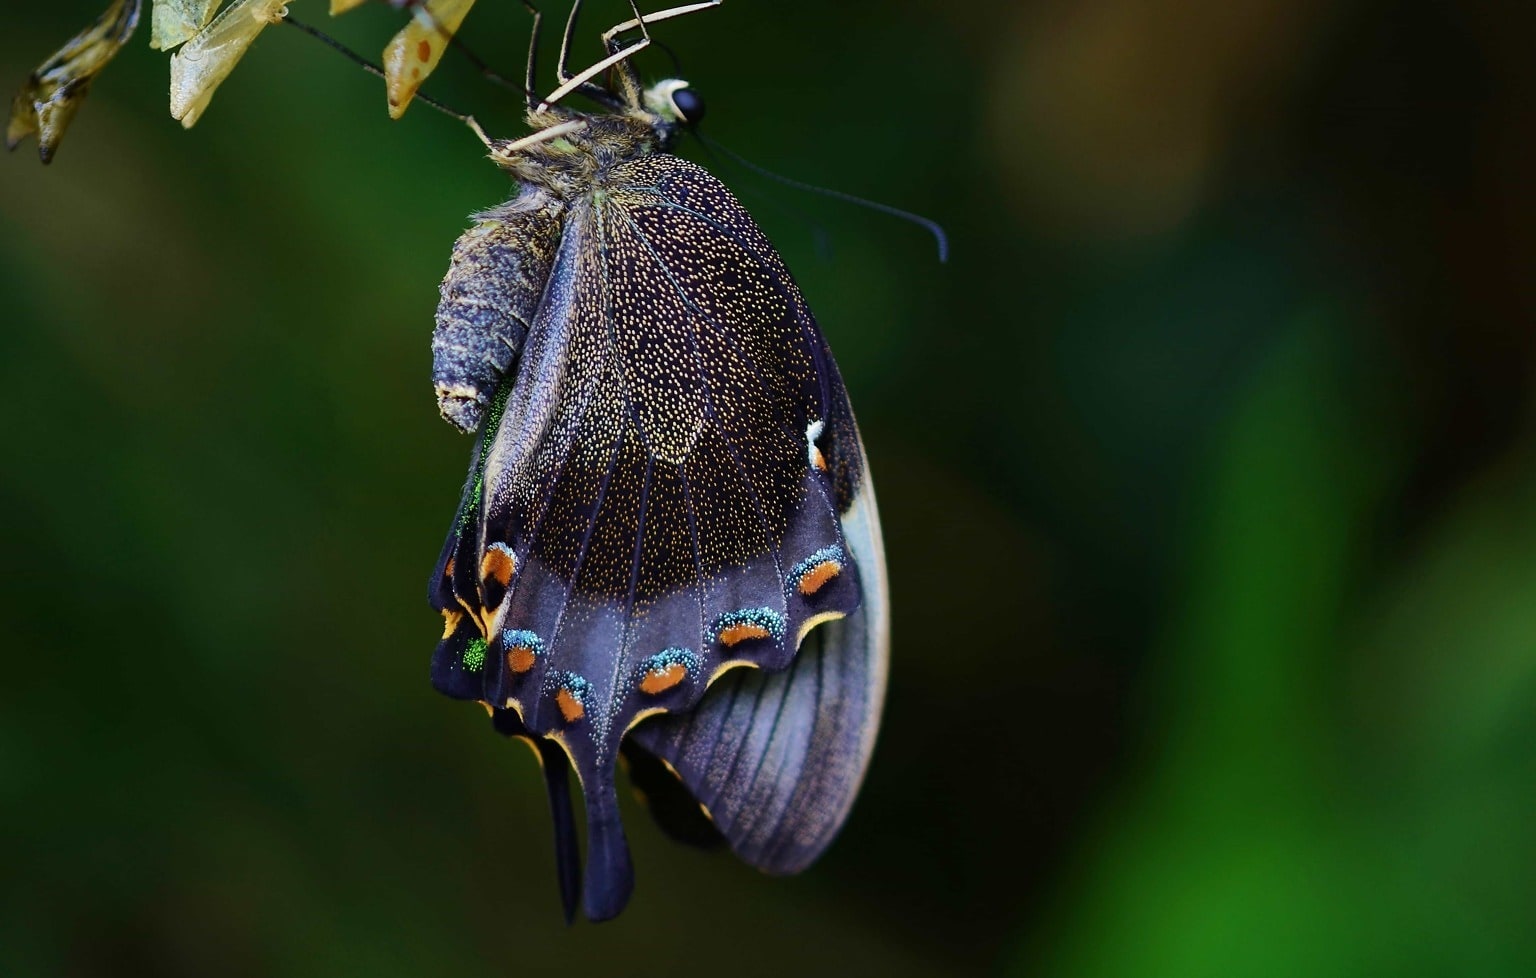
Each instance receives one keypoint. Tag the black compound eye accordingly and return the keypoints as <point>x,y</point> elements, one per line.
<point>690,108</point>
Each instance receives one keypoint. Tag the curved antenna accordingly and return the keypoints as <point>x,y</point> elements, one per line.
<point>677,64</point>
<point>933,227</point>
<point>819,235</point>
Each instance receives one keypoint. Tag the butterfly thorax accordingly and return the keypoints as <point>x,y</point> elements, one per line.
<point>497,276</point>
<point>580,150</point>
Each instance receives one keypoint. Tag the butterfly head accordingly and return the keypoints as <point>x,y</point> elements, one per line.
<point>675,103</point>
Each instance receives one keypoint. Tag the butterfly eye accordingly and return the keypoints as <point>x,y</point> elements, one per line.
<point>689,106</point>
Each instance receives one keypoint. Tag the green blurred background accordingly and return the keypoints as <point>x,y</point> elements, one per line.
<point>1207,469</point>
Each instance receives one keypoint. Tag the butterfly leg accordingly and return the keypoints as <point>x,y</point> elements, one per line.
<point>375,70</point>
<point>531,76</point>
<point>562,72</point>
<point>582,80</point>
<point>507,150</point>
<point>609,37</point>
<point>616,54</point>
<point>611,44</point>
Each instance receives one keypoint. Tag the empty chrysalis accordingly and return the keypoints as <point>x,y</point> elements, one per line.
<point>204,62</point>
<point>414,52</point>
<point>52,94</point>
<point>173,21</point>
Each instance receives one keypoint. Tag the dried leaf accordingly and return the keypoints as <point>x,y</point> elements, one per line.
<point>173,21</point>
<point>206,60</point>
<point>53,93</point>
<point>416,50</point>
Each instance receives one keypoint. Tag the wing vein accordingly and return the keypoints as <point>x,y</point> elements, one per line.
<point>693,307</point>
<point>634,575</point>
<point>586,537</point>
<point>804,321</point>
<point>762,757</point>
<point>613,457</point>
<point>710,412</point>
<point>698,563</point>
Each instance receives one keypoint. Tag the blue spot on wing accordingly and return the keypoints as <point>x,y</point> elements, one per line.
<point>767,619</point>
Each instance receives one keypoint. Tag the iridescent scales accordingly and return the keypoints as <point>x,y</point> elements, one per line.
<point>523,649</point>
<point>474,654</point>
<point>571,695</point>
<point>814,572</point>
<point>735,627</point>
<point>666,669</point>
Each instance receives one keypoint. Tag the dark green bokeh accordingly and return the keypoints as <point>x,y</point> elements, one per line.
<point>1206,466</point>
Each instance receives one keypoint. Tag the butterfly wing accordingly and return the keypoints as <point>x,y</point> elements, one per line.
<point>659,501</point>
<point>776,759</point>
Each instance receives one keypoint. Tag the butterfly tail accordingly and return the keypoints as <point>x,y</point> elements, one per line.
<point>567,851</point>
<point>557,779</point>
<point>610,876</point>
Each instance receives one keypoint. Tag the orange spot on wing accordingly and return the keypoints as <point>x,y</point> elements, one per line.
<point>663,679</point>
<point>424,51</point>
<point>816,578</point>
<point>451,621</point>
<point>520,659</point>
<point>570,706</point>
<point>448,569</point>
<point>733,634</point>
<point>498,565</point>
<point>817,459</point>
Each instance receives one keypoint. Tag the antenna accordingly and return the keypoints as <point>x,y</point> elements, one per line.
<point>819,234</point>
<point>933,227</point>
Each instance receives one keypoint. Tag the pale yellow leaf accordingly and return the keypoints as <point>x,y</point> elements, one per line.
<point>342,6</point>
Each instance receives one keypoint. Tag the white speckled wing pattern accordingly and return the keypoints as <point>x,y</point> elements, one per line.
<point>669,487</point>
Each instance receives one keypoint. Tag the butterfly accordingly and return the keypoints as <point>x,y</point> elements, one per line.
<point>667,550</point>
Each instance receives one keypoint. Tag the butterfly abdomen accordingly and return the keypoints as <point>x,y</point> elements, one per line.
<point>489,296</point>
